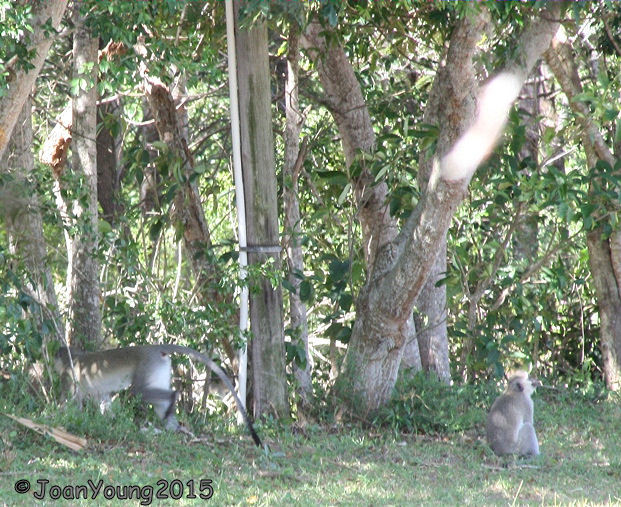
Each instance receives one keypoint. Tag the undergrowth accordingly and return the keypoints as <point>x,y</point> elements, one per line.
<point>425,405</point>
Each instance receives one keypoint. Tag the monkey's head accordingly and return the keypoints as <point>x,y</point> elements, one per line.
<point>61,360</point>
<point>519,382</point>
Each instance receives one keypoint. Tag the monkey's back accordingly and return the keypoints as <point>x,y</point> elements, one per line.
<point>505,418</point>
<point>119,366</point>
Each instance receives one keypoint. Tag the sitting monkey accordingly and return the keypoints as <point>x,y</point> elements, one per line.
<point>509,425</point>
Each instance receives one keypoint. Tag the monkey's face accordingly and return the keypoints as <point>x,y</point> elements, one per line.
<point>521,383</point>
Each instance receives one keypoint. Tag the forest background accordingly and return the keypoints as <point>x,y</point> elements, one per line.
<point>119,224</point>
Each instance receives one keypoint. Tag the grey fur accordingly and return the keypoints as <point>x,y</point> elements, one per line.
<point>145,370</point>
<point>510,428</point>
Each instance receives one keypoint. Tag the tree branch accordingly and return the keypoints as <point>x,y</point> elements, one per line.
<point>451,175</point>
<point>21,81</point>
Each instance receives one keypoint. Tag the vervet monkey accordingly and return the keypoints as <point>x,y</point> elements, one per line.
<point>145,369</point>
<point>509,425</point>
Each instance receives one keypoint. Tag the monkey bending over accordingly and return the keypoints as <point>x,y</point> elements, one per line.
<point>509,425</point>
<point>145,369</point>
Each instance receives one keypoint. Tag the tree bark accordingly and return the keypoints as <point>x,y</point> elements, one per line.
<point>20,207</point>
<point>386,302</point>
<point>604,252</point>
<point>606,281</point>
<point>257,145</point>
<point>351,115</point>
<point>526,240</point>
<point>150,193</point>
<point>108,160</point>
<point>84,321</point>
<point>294,158</point>
<point>20,81</point>
<point>451,107</point>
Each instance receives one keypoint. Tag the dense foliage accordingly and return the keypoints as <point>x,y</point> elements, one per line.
<point>538,305</point>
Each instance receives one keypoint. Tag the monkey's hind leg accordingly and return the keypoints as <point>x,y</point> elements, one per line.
<point>163,402</point>
<point>527,441</point>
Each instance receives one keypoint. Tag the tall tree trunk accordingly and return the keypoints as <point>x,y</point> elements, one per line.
<point>20,81</point>
<point>22,214</point>
<point>150,199</point>
<point>257,146</point>
<point>604,252</point>
<point>526,240</point>
<point>84,322</point>
<point>108,160</point>
<point>294,158</point>
<point>346,104</point>
<point>602,257</point>
<point>386,302</point>
<point>451,107</point>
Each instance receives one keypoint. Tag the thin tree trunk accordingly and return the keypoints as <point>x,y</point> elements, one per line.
<point>257,145</point>
<point>351,115</point>
<point>604,252</point>
<point>526,237</point>
<point>20,81</point>
<point>346,104</point>
<point>523,229</point>
<point>84,322</point>
<point>606,283</point>
<point>187,212</point>
<point>150,199</point>
<point>294,158</point>
<point>22,214</point>
<point>108,160</point>
<point>451,107</point>
<point>526,240</point>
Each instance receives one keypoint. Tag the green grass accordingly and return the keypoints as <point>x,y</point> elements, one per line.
<point>580,464</point>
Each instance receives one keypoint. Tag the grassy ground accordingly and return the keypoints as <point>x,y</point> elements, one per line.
<point>324,465</point>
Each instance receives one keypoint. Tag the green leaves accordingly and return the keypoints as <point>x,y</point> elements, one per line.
<point>336,178</point>
<point>425,405</point>
<point>77,85</point>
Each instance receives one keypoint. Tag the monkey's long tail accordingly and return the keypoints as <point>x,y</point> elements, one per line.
<point>180,349</point>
